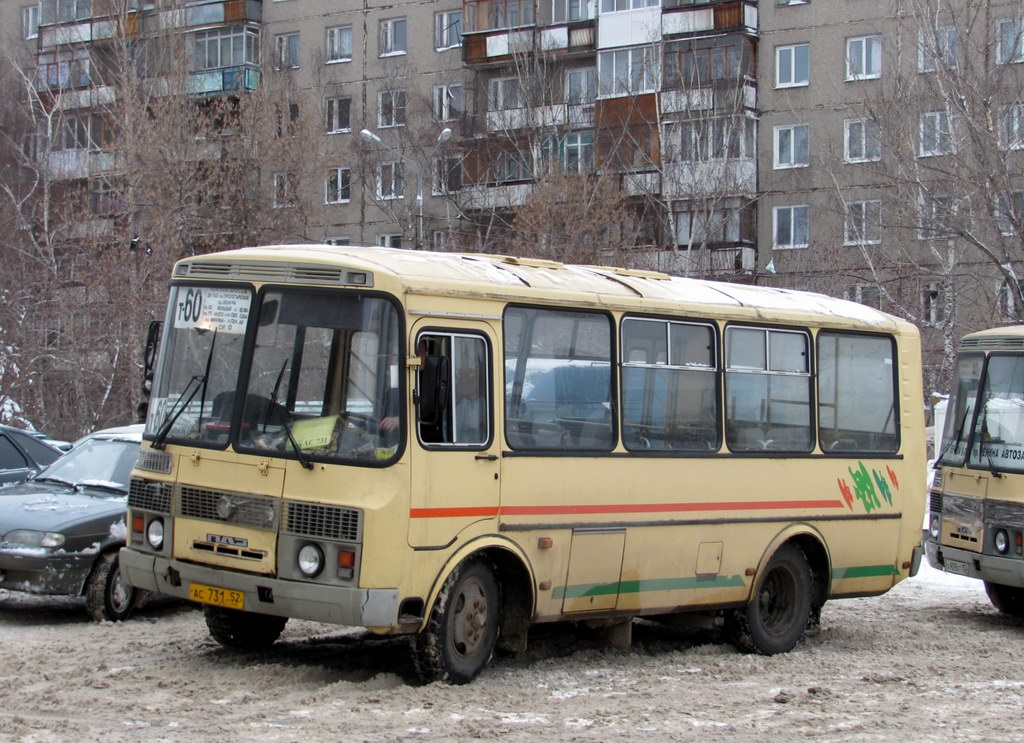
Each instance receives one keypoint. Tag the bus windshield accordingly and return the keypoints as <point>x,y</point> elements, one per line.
<point>998,442</point>
<point>961,409</point>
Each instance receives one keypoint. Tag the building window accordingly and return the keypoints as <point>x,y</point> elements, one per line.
<point>792,146</point>
<point>73,133</point>
<point>64,11</point>
<point>504,94</point>
<point>1007,297</point>
<point>1009,212</point>
<point>1009,41</point>
<point>792,2</point>
<point>287,51</point>
<point>226,47</point>
<point>864,58</point>
<point>390,240</point>
<point>933,302</point>
<point>389,180</point>
<point>573,10</point>
<point>579,152</point>
<point>701,62</point>
<point>508,167</point>
<point>863,223</point>
<point>447,102</point>
<point>1011,127</point>
<point>938,217</point>
<point>791,227</point>
<point>339,115</point>
<point>792,65</point>
<point>392,37</point>
<point>936,134</point>
<point>284,190</point>
<point>338,186</point>
<point>719,221</point>
<point>935,44</point>
<point>340,240</point>
<point>866,294</point>
<point>581,86</point>
<point>613,6</point>
<point>628,71</point>
<point>288,120</point>
<point>710,139</point>
<point>447,30</point>
<point>392,108</point>
<point>104,198</point>
<point>30,22</point>
<point>339,44</point>
<point>863,141</point>
<point>447,176</point>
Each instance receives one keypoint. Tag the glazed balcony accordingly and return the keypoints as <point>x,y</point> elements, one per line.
<point>680,17</point>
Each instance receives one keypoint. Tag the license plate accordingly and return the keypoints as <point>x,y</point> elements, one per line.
<point>957,568</point>
<point>216,596</point>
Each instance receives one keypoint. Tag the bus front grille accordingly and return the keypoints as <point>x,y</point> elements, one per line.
<point>325,522</point>
<point>229,508</point>
<point>150,496</point>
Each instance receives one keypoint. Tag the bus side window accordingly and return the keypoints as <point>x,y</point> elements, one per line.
<point>452,390</point>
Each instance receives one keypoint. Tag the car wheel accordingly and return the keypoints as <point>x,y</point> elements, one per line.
<point>107,594</point>
<point>776,617</point>
<point>463,627</point>
<point>243,630</point>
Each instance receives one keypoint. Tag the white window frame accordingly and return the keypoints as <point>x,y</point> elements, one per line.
<point>30,22</point>
<point>332,46</point>
<point>440,169</point>
<point>447,30</point>
<point>336,172</point>
<point>332,110</point>
<point>857,293</point>
<point>947,44</point>
<point>1011,127</point>
<point>389,37</point>
<point>641,65</point>
<point>390,240</point>
<point>780,134</point>
<point>862,222</point>
<point>933,302</point>
<point>868,57</point>
<point>1004,216</point>
<point>929,217</point>
<point>390,172</point>
<point>444,96</point>
<point>939,124</point>
<point>619,6</point>
<point>284,190</point>
<point>1009,31</point>
<point>792,51</point>
<point>398,104</point>
<point>788,213</point>
<point>504,94</point>
<point>862,139</point>
<point>286,51</point>
<point>340,240</point>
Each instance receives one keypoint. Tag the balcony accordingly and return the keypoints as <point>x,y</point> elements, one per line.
<point>224,80</point>
<point>497,196</point>
<point>572,116</point>
<point>709,261</point>
<point>75,164</point>
<point>736,16</point>
<point>708,178</point>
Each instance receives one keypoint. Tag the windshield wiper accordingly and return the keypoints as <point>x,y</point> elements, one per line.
<point>982,444</point>
<point>953,440</point>
<point>56,480</point>
<point>179,407</point>
<point>303,459</point>
<point>100,485</point>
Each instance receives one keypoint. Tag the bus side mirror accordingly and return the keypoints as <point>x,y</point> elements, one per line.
<point>149,356</point>
<point>432,396</point>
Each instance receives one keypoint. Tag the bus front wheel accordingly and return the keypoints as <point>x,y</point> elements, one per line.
<point>463,627</point>
<point>243,630</point>
<point>776,617</point>
<point>1008,600</point>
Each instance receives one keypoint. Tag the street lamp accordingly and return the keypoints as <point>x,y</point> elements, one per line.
<point>443,137</point>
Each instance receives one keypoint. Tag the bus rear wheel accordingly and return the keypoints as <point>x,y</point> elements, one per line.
<point>463,626</point>
<point>1008,600</point>
<point>243,630</point>
<point>776,617</point>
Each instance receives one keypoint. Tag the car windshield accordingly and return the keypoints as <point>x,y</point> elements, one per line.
<point>97,463</point>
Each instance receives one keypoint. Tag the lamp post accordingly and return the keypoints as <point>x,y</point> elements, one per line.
<point>443,137</point>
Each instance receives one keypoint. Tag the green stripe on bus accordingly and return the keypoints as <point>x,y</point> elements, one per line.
<point>864,571</point>
<point>643,586</point>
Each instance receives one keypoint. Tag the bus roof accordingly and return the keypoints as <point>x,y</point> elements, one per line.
<point>1006,337</point>
<point>527,280</point>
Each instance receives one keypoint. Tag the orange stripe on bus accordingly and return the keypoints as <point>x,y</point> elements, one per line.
<point>488,511</point>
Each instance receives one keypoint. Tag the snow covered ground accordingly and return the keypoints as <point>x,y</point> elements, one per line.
<point>931,660</point>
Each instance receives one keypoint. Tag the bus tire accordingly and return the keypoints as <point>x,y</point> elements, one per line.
<point>776,617</point>
<point>1008,600</point>
<point>463,627</point>
<point>243,630</point>
<point>108,596</point>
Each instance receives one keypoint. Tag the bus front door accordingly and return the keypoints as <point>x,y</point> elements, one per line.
<point>455,452</point>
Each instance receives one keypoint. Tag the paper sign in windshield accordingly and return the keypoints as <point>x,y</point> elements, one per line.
<point>204,308</point>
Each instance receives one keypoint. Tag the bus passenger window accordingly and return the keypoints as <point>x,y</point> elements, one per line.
<point>857,393</point>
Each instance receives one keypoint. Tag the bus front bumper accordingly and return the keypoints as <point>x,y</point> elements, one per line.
<point>375,608</point>
<point>1006,571</point>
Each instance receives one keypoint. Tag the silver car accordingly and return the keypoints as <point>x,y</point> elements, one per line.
<point>60,531</point>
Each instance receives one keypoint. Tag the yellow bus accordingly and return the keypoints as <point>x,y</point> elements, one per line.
<point>457,446</point>
<point>976,505</point>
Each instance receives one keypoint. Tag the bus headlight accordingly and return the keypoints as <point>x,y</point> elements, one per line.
<point>933,526</point>
<point>155,533</point>
<point>311,560</point>
<point>1001,541</point>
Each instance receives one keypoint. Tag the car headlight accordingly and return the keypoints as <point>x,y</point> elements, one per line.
<point>933,526</point>
<point>155,533</point>
<point>1001,541</point>
<point>30,538</point>
<point>311,560</point>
